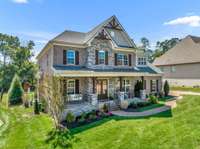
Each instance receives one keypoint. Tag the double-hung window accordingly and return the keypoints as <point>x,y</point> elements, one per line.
<point>71,87</point>
<point>101,55</point>
<point>142,61</point>
<point>122,59</point>
<point>70,57</point>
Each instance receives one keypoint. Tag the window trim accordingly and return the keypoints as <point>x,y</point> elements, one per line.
<point>142,61</point>
<point>74,87</point>
<point>74,58</point>
<point>123,59</point>
<point>154,86</point>
<point>99,58</point>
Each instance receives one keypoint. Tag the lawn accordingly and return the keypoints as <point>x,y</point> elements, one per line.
<point>180,88</point>
<point>178,128</point>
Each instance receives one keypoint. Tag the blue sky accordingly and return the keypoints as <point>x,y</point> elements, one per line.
<point>41,20</point>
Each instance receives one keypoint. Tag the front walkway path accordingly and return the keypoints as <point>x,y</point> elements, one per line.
<point>168,105</point>
<point>178,93</point>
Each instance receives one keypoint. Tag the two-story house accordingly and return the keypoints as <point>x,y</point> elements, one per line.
<point>99,65</point>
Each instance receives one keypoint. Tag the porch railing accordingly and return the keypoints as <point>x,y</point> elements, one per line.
<point>73,97</point>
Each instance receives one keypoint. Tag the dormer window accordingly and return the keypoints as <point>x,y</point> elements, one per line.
<point>142,61</point>
<point>70,57</point>
<point>101,55</point>
<point>122,59</point>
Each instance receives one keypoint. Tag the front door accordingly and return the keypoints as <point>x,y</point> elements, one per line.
<point>102,89</point>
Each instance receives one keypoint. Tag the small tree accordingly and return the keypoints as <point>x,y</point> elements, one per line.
<point>166,88</point>
<point>15,93</point>
<point>51,90</point>
<point>138,87</point>
<point>36,107</point>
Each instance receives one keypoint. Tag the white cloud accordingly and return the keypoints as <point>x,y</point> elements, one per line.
<point>193,21</point>
<point>20,1</point>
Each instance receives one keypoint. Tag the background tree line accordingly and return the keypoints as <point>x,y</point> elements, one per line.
<point>160,49</point>
<point>16,59</point>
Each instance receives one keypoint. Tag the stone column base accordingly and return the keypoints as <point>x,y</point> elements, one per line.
<point>93,99</point>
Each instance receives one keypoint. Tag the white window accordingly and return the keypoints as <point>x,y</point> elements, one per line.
<point>142,61</point>
<point>173,69</point>
<point>70,57</point>
<point>122,59</point>
<point>101,55</point>
<point>112,34</point>
<point>127,86</point>
<point>71,87</point>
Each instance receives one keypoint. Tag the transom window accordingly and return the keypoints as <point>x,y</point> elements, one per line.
<point>142,61</point>
<point>101,55</point>
<point>71,87</point>
<point>70,57</point>
<point>122,59</point>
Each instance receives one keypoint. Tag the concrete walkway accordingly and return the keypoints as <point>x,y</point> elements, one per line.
<point>168,105</point>
<point>178,93</point>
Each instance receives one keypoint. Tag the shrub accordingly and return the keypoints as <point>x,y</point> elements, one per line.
<point>82,117</point>
<point>61,138</point>
<point>36,107</point>
<point>105,108</point>
<point>138,87</point>
<point>70,117</point>
<point>92,115</point>
<point>15,93</point>
<point>133,105</point>
<point>153,99</point>
<point>166,88</point>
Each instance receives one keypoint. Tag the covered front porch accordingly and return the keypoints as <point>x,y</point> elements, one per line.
<point>103,89</point>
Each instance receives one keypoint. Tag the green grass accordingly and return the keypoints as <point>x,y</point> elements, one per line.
<point>179,88</point>
<point>178,128</point>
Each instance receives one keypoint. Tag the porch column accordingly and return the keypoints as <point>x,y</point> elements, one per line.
<point>143,91</point>
<point>120,93</point>
<point>92,91</point>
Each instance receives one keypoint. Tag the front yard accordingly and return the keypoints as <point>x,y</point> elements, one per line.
<point>178,128</point>
<point>187,89</point>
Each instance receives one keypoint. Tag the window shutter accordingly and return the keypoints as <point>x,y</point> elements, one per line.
<point>115,59</point>
<point>77,57</point>
<point>151,83</point>
<point>96,56</point>
<point>157,85</point>
<point>64,87</point>
<point>130,59</point>
<point>77,86</point>
<point>106,55</point>
<point>64,57</point>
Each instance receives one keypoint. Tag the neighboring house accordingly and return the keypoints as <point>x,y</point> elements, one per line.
<point>98,66</point>
<point>181,64</point>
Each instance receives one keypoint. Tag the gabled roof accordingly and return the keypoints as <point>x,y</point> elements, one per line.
<point>83,38</point>
<point>70,37</point>
<point>186,51</point>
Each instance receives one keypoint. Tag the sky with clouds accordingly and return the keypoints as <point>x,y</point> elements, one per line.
<point>41,20</point>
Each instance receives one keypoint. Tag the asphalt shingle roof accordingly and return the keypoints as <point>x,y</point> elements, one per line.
<point>186,51</point>
<point>146,69</point>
